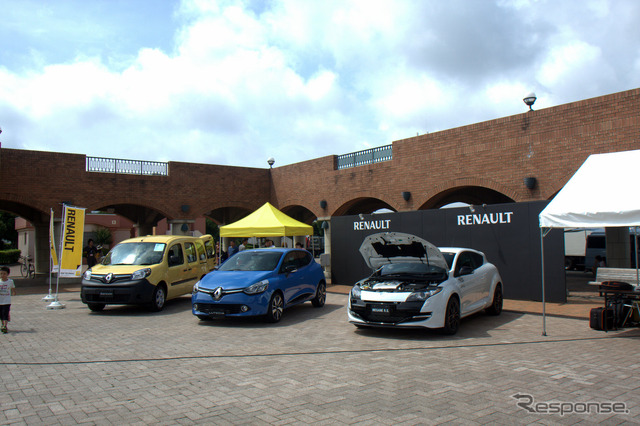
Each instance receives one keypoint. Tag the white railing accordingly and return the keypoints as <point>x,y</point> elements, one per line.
<point>129,167</point>
<point>368,156</point>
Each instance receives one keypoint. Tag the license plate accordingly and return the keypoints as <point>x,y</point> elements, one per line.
<point>381,310</point>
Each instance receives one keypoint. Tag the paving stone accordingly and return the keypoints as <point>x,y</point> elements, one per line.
<point>129,366</point>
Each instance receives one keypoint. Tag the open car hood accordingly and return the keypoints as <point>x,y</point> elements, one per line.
<point>398,247</point>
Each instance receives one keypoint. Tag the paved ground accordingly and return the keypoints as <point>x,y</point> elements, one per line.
<point>129,366</point>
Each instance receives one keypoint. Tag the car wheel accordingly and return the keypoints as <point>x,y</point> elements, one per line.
<point>96,307</point>
<point>158,298</point>
<point>276,307</point>
<point>452,317</point>
<point>321,295</point>
<point>496,305</point>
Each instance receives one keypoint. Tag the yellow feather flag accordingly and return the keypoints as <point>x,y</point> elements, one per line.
<point>71,244</point>
<point>52,245</point>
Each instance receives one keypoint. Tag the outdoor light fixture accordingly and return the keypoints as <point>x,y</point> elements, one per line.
<point>530,99</point>
<point>530,182</point>
<point>184,227</point>
<point>184,208</point>
<point>323,204</point>
<point>406,195</point>
<point>325,225</point>
<point>271,161</point>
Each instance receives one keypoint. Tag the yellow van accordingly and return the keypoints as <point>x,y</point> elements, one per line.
<point>148,271</point>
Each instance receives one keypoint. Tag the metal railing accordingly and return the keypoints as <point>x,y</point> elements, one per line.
<point>368,156</point>
<point>129,167</point>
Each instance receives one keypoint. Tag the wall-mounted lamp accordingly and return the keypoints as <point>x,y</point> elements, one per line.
<point>529,100</point>
<point>323,204</point>
<point>406,195</point>
<point>271,161</point>
<point>184,227</point>
<point>185,208</point>
<point>325,224</point>
<point>530,182</point>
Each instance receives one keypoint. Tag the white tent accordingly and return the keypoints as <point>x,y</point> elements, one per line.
<point>600,194</point>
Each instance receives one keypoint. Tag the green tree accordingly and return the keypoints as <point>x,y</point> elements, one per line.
<point>212,229</point>
<point>8,230</point>
<point>102,237</point>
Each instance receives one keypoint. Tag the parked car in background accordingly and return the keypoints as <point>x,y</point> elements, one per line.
<point>148,271</point>
<point>415,284</point>
<point>260,282</point>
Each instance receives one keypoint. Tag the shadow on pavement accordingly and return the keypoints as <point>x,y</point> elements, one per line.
<point>477,325</point>
<point>291,316</point>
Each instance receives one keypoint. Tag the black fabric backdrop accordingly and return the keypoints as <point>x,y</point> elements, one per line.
<point>508,234</point>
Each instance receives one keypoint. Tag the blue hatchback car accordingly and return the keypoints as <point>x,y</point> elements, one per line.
<point>260,282</point>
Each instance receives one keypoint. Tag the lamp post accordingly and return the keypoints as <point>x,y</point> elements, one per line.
<point>529,100</point>
<point>271,161</point>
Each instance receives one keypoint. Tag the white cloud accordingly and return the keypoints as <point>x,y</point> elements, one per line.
<point>241,80</point>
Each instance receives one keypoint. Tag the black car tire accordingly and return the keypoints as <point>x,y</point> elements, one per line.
<point>276,307</point>
<point>158,298</point>
<point>96,307</point>
<point>321,295</point>
<point>496,304</point>
<point>452,317</point>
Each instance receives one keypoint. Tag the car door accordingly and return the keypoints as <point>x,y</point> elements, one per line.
<point>193,271</point>
<point>291,282</point>
<point>468,281</point>
<point>176,268</point>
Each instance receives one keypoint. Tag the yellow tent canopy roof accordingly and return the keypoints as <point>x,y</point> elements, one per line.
<point>267,221</point>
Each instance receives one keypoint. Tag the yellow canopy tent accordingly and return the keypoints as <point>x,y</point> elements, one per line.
<point>267,221</point>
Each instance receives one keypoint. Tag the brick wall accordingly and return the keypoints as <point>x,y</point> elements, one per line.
<point>482,160</point>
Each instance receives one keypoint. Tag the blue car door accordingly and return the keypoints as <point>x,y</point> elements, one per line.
<point>292,278</point>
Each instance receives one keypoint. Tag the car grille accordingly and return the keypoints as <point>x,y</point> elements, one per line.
<point>218,309</point>
<point>389,313</point>
<point>115,278</point>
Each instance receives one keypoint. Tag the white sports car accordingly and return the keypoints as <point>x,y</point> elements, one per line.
<point>416,284</point>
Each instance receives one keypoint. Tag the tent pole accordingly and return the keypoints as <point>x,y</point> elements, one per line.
<point>635,248</point>
<point>544,312</point>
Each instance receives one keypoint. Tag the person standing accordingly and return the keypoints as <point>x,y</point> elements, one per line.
<point>243,245</point>
<point>91,253</point>
<point>232,248</point>
<point>7,289</point>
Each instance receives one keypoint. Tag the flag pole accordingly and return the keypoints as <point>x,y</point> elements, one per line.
<point>50,297</point>
<point>56,304</point>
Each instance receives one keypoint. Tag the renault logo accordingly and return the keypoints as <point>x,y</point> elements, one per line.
<point>217,293</point>
<point>108,277</point>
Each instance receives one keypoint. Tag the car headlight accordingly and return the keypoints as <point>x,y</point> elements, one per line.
<point>196,287</point>
<point>87,274</point>
<point>356,291</point>
<point>141,273</point>
<point>257,287</point>
<point>421,296</point>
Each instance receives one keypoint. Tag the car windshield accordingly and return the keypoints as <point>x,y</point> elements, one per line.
<point>263,260</point>
<point>410,269</point>
<point>135,254</point>
<point>448,257</point>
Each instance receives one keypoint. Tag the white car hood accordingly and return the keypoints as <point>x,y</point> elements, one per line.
<point>398,247</point>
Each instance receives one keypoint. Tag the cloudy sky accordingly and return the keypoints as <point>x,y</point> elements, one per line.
<point>237,82</point>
